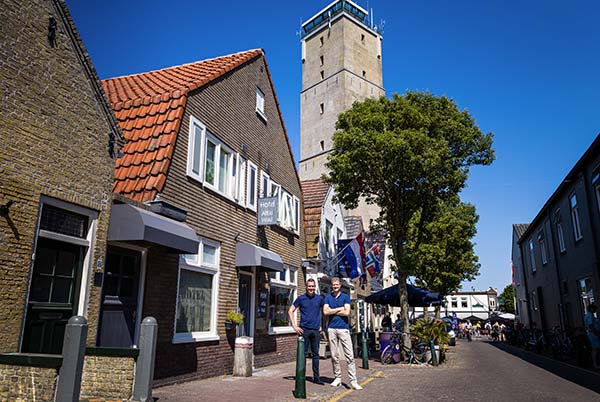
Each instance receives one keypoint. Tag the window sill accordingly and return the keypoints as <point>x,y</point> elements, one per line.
<point>281,330</point>
<point>262,115</point>
<point>189,338</point>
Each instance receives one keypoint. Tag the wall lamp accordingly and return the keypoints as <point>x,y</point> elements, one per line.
<point>4,209</point>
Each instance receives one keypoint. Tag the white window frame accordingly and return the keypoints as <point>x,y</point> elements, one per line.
<point>560,233</point>
<point>286,210</point>
<point>296,215</point>
<point>464,300</point>
<point>542,244</point>
<point>252,202</point>
<point>265,185</point>
<point>532,256</point>
<point>453,302</point>
<point>229,190</point>
<point>276,190</point>
<point>191,145</point>
<point>260,103</point>
<point>89,243</point>
<point>194,263</point>
<point>575,217</point>
<point>240,181</point>
<point>290,282</point>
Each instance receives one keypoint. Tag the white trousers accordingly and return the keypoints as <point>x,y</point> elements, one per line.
<point>340,341</point>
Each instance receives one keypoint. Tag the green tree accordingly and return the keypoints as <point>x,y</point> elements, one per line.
<point>507,299</point>
<point>404,154</point>
<point>440,253</point>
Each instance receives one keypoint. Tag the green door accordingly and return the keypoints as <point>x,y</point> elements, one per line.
<point>53,295</point>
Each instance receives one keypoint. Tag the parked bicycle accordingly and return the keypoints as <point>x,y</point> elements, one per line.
<point>413,355</point>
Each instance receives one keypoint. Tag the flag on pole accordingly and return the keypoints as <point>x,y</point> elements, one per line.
<point>372,262</point>
<point>351,260</point>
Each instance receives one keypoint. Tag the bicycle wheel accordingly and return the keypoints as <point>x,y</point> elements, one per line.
<point>387,356</point>
<point>420,354</point>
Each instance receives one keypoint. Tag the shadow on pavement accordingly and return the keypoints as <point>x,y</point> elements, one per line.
<point>577,375</point>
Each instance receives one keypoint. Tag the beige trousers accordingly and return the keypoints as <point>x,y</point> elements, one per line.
<point>340,341</point>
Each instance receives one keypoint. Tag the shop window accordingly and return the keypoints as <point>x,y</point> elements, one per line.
<point>196,310</point>
<point>282,294</point>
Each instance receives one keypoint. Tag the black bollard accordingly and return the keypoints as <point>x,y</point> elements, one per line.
<point>300,391</point>
<point>365,352</point>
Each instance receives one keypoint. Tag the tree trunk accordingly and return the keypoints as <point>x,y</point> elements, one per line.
<point>404,308</point>
<point>425,311</point>
<point>437,312</point>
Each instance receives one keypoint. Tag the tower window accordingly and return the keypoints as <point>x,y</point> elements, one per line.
<point>322,74</point>
<point>362,38</point>
<point>322,145</point>
<point>364,74</point>
<point>322,107</point>
<point>321,40</point>
<point>321,58</point>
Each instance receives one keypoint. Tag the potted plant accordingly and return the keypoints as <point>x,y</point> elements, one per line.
<point>233,319</point>
<point>428,329</point>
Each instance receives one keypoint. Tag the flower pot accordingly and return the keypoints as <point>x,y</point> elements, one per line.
<point>437,353</point>
<point>230,326</point>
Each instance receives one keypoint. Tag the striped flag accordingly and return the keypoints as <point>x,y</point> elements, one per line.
<point>372,262</point>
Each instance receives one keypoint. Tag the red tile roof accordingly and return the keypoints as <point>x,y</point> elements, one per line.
<point>314,193</point>
<point>149,108</point>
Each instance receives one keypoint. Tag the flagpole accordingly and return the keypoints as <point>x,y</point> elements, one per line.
<point>340,252</point>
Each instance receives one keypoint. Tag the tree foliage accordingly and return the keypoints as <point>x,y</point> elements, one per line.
<point>406,155</point>
<point>507,299</point>
<point>440,253</point>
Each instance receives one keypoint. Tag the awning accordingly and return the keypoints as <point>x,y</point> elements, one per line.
<point>417,297</point>
<point>249,255</point>
<point>129,223</point>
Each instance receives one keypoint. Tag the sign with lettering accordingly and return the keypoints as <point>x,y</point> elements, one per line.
<point>268,211</point>
<point>263,299</point>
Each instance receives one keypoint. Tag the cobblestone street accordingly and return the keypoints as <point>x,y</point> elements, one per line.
<point>477,371</point>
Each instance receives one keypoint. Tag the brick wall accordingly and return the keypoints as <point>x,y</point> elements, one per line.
<point>215,217</point>
<point>107,377</point>
<point>55,132</point>
<point>269,349</point>
<point>24,384</point>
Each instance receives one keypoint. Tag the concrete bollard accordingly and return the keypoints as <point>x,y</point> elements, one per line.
<point>144,367</point>
<point>73,353</point>
<point>242,358</point>
<point>300,390</point>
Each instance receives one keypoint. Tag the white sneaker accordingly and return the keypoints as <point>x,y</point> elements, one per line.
<point>355,385</point>
<point>337,382</point>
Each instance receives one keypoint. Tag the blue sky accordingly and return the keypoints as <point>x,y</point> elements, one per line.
<point>528,71</point>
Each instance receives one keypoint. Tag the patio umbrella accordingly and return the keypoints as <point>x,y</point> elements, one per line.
<point>417,297</point>
<point>507,316</point>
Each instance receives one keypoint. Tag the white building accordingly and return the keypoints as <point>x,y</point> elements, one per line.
<point>474,305</point>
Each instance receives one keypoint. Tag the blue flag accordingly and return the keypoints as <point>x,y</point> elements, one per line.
<point>351,260</point>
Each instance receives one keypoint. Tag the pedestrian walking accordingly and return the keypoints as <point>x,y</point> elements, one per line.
<point>310,305</point>
<point>337,309</point>
<point>592,327</point>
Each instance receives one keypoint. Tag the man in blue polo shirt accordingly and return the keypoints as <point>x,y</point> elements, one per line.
<point>310,305</point>
<point>337,308</point>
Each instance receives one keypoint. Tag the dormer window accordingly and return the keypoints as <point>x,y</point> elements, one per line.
<point>260,103</point>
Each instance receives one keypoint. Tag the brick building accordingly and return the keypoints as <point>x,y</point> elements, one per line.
<point>557,274</point>
<point>205,141</point>
<point>56,171</point>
